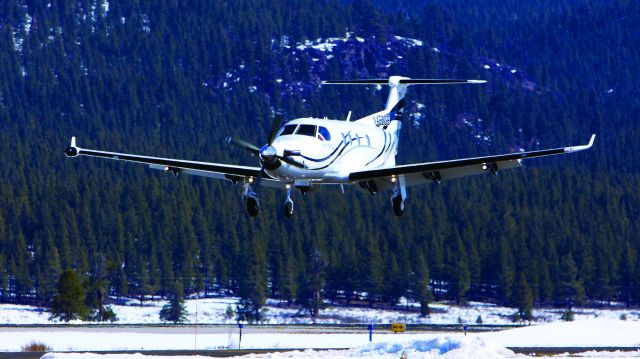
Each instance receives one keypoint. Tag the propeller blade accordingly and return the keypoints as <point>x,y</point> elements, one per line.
<point>275,126</point>
<point>244,144</point>
<point>292,162</point>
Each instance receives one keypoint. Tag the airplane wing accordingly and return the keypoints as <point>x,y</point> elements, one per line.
<point>420,173</point>
<point>207,169</point>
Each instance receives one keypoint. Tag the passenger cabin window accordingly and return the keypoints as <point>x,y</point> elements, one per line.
<point>307,130</point>
<point>323,134</point>
<point>287,130</point>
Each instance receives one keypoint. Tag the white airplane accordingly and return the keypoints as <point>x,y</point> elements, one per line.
<point>309,152</point>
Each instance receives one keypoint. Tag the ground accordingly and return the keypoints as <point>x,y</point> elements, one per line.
<point>592,328</point>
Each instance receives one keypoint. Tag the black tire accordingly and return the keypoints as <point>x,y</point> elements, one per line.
<point>288,210</point>
<point>252,207</point>
<point>398,206</point>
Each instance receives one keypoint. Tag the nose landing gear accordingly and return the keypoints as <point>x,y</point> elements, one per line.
<point>288,204</point>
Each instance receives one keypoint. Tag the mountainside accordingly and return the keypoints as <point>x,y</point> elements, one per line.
<point>175,79</point>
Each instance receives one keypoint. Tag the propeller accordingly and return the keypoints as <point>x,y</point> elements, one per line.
<point>268,154</point>
<point>244,144</point>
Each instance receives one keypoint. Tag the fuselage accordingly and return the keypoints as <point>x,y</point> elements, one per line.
<point>331,149</point>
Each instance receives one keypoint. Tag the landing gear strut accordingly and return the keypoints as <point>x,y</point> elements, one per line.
<point>251,200</point>
<point>399,196</point>
<point>288,205</point>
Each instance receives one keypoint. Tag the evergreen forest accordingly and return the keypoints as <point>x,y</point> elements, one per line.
<point>176,78</point>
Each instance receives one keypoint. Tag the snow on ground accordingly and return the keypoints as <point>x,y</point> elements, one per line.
<point>589,332</point>
<point>213,311</point>
<point>81,339</point>
<point>442,347</point>
<point>594,332</point>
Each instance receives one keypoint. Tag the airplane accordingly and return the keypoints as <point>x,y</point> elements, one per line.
<point>308,152</point>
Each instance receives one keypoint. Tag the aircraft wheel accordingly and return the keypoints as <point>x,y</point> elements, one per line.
<point>288,209</point>
<point>252,206</point>
<point>398,206</point>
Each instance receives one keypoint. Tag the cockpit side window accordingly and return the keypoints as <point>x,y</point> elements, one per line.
<point>307,130</point>
<point>323,134</point>
<point>287,130</point>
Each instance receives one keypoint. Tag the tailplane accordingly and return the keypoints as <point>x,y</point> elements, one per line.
<point>394,108</point>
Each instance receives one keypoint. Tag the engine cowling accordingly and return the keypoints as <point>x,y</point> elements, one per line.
<point>71,151</point>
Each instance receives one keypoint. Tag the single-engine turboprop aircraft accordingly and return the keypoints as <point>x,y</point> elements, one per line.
<point>309,152</point>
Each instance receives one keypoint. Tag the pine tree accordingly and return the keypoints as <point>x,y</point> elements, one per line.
<point>311,283</point>
<point>460,275</point>
<point>602,284</point>
<point>98,290</point>
<point>68,304</point>
<point>523,298</point>
<point>505,272</point>
<point>570,291</point>
<point>4,280</point>
<point>51,274</point>
<point>373,276</point>
<point>174,311</point>
<point>253,282</point>
<point>422,289</point>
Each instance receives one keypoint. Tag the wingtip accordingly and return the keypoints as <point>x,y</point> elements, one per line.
<point>593,138</point>
<point>477,81</point>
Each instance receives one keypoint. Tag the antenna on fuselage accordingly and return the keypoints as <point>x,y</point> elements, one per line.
<point>349,116</point>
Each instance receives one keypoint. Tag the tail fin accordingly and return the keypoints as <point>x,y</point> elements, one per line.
<point>394,108</point>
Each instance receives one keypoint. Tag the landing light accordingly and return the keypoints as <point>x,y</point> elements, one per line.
<point>287,186</point>
<point>250,179</point>
<point>393,178</point>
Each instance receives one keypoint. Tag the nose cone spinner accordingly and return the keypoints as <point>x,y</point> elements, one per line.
<point>268,153</point>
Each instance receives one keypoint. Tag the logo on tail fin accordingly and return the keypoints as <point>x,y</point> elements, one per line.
<point>382,120</point>
<point>397,113</point>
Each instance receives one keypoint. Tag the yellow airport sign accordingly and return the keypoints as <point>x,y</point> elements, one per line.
<point>397,327</point>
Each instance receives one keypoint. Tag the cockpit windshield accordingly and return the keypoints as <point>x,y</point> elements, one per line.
<point>307,130</point>
<point>287,130</point>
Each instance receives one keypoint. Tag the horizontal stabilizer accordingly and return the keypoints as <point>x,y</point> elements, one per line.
<point>357,82</point>
<point>404,81</point>
<point>440,82</point>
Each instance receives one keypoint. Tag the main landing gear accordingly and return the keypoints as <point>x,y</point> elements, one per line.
<point>251,200</point>
<point>398,205</point>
